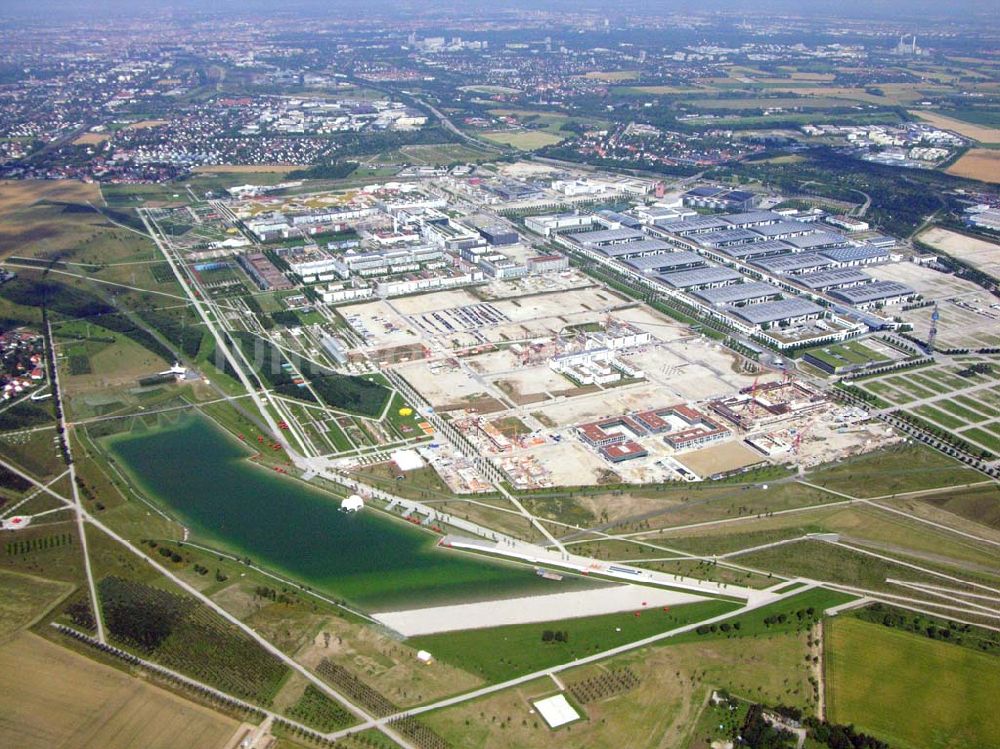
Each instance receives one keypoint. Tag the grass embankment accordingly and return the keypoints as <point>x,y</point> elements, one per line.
<point>501,653</point>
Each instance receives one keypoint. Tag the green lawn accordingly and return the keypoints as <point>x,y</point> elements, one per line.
<point>911,691</point>
<point>502,653</point>
<point>940,417</point>
<point>984,438</point>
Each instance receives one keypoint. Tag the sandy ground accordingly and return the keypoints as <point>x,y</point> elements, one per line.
<point>976,252</point>
<point>557,305</point>
<point>447,386</point>
<point>728,456</point>
<point>570,463</point>
<point>657,325</point>
<point>530,609</point>
<point>418,305</point>
<point>979,163</point>
<point>982,133</point>
<point>377,317</point>
<point>523,169</point>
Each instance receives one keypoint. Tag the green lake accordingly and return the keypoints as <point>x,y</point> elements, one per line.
<point>201,475</point>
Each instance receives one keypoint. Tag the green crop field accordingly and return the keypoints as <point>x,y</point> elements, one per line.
<point>911,691</point>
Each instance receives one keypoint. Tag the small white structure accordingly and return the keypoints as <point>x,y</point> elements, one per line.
<point>556,711</point>
<point>16,522</point>
<point>407,460</point>
<point>424,657</point>
<point>352,503</point>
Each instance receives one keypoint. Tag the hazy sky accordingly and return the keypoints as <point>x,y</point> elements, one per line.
<point>881,8</point>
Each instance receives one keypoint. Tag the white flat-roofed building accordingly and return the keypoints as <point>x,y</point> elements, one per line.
<point>547,225</point>
<point>849,223</point>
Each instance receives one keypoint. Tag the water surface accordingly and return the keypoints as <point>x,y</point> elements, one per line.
<point>202,476</point>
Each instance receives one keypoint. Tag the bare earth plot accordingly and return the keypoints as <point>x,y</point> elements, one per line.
<point>978,253</point>
<point>63,699</point>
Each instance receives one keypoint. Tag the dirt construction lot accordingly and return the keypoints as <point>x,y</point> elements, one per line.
<point>976,252</point>
<point>979,163</point>
<point>62,699</point>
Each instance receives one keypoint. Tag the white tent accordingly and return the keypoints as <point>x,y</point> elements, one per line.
<point>352,504</point>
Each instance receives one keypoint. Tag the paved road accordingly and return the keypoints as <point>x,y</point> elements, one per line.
<point>77,502</point>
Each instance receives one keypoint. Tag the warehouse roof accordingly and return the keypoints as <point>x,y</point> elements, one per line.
<point>693,225</point>
<point>740,292</point>
<point>817,240</point>
<point>829,278</point>
<point>606,235</point>
<point>791,263</point>
<point>854,254</point>
<point>664,261</point>
<point>757,249</point>
<point>729,236</point>
<point>685,279</point>
<point>783,309</point>
<point>634,249</point>
<point>752,218</point>
<point>873,292</point>
<point>783,228</point>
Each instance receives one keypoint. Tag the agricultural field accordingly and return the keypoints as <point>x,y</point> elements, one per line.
<point>981,133</point>
<point>25,598</point>
<point>64,699</point>
<point>979,163</point>
<point>911,691</point>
